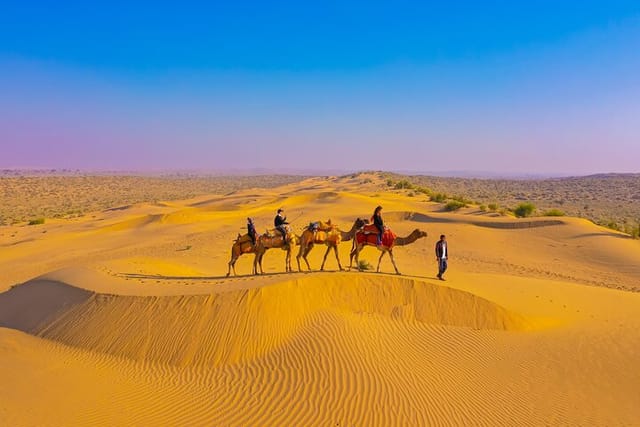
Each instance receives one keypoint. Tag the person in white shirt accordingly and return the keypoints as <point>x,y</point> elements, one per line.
<point>442,255</point>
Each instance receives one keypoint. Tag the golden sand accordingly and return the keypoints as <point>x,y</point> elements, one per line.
<point>125,317</point>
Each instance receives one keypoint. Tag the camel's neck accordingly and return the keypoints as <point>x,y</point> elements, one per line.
<point>348,235</point>
<point>402,241</point>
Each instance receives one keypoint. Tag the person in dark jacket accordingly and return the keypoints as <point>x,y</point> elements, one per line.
<point>376,219</point>
<point>280,221</point>
<point>251,230</point>
<point>442,255</point>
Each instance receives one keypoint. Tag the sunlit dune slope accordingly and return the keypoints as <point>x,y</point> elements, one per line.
<point>126,317</point>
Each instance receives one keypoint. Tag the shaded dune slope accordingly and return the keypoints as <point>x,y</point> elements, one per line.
<point>235,326</point>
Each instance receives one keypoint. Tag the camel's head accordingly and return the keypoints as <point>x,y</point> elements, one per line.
<point>420,233</point>
<point>360,222</point>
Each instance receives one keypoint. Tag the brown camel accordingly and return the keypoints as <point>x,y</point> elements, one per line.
<point>364,238</point>
<point>242,245</point>
<point>272,240</point>
<point>327,234</point>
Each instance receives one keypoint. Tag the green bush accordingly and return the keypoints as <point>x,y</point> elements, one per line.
<point>492,207</point>
<point>36,221</point>
<point>390,183</point>
<point>483,208</point>
<point>403,184</point>
<point>524,210</point>
<point>554,212</point>
<point>423,190</point>
<point>438,197</point>
<point>454,205</point>
<point>363,264</point>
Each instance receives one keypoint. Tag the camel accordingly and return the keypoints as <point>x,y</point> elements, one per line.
<point>272,240</point>
<point>242,245</point>
<point>326,234</point>
<point>368,237</point>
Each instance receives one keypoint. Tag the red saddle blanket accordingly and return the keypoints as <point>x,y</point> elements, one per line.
<point>369,235</point>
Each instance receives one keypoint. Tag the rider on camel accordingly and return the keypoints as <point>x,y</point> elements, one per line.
<point>280,221</point>
<point>376,219</point>
<point>251,230</point>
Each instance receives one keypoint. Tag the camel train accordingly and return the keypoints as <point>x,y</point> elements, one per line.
<point>362,233</point>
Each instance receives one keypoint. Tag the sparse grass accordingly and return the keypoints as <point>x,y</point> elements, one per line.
<point>36,221</point>
<point>454,205</point>
<point>553,212</point>
<point>524,210</point>
<point>363,264</point>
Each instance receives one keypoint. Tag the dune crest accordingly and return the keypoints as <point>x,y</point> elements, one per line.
<point>233,326</point>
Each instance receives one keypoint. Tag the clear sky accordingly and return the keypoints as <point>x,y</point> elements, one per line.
<point>505,87</point>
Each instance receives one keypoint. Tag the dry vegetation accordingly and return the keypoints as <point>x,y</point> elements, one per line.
<point>612,200</point>
<point>33,197</point>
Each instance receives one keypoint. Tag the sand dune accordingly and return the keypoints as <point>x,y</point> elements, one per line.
<point>125,317</point>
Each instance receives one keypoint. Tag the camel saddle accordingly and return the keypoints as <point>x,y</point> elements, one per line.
<point>370,236</point>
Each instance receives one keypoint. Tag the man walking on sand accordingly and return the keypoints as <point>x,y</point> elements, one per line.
<point>442,254</point>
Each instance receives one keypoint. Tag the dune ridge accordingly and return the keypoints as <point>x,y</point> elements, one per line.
<point>233,326</point>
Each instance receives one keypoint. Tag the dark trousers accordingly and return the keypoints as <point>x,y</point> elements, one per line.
<point>442,266</point>
<point>380,231</point>
<point>282,231</point>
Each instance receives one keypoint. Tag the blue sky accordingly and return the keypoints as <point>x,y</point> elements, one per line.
<point>502,87</point>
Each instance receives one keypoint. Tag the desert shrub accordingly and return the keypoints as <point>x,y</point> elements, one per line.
<point>423,190</point>
<point>483,208</point>
<point>524,210</point>
<point>403,184</point>
<point>438,197</point>
<point>554,212</point>
<point>492,207</point>
<point>36,221</point>
<point>613,225</point>
<point>454,205</point>
<point>390,183</point>
<point>461,199</point>
<point>363,264</point>
<point>411,194</point>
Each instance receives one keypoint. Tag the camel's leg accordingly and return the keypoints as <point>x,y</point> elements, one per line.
<point>335,250</point>
<point>393,261</point>
<point>298,256</point>
<point>305,253</point>
<point>325,258</point>
<point>357,256</point>
<point>229,270</point>
<point>380,259</point>
<point>255,264</point>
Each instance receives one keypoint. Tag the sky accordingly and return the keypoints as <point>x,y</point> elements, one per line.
<point>541,87</point>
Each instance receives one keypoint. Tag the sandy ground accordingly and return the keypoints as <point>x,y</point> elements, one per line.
<point>126,317</point>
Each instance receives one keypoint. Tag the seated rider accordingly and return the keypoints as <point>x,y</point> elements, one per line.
<point>251,230</point>
<point>280,221</point>
<point>376,219</point>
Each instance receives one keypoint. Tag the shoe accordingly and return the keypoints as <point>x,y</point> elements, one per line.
<point>440,277</point>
